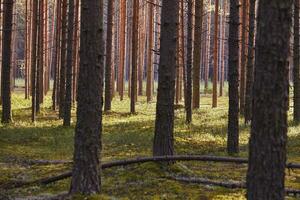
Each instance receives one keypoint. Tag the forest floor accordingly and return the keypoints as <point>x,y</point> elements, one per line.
<point>129,136</point>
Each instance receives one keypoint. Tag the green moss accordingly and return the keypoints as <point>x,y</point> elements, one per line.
<point>127,136</point>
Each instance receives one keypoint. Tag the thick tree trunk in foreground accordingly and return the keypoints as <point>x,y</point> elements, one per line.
<point>6,60</point>
<point>86,174</point>
<point>233,78</point>
<point>296,72</point>
<point>267,155</point>
<point>197,52</point>
<point>164,123</point>
<point>250,64</point>
<point>109,64</point>
<point>68,95</point>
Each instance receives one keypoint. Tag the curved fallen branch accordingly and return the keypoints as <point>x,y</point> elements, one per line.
<point>229,184</point>
<point>68,174</point>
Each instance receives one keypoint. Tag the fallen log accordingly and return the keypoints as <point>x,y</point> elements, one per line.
<point>228,184</point>
<point>68,174</point>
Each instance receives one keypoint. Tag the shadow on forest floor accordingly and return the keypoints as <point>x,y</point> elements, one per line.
<point>125,136</point>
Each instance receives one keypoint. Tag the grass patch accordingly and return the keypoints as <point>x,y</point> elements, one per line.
<point>127,136</point>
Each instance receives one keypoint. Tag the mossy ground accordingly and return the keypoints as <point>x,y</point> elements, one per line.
<point>128,136</point>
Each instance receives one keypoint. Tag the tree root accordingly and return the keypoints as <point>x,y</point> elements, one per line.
<point>68,174</point>
<point>227,184</point>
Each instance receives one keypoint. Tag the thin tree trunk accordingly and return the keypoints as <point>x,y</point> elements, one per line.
<point>207,64</point>
<point>215,75</point>
<point>68,97</point>
<point>75,51</point>
<point>149,85</point>
<point>250,64</point>
<point>122,49</point>
<point>223,47</point>
<point>26,42</point>
<point>164,123</point>
<point>34,56</point>
<point>197,52</point>
<point>296,71</point>
<point>62,82</point>
<point>189,63</point>
<point>86,173</point>
<point>6,61</point>
<point>233,79</point>
<point>109,66</point>
<point>134,48</point>
<point>267,155</point>
<point>56,53</point>
<point>243,58</point>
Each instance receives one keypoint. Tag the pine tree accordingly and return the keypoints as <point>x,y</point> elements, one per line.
<point>215,72</point>
<point>296,71</point>
<point>250,63</point>
<point>233,79</point>
<point>197,52</point>
<point>6,60</point>
<point>164,122</point>
<point>108,65</point>
<point>69,65</point>
<point>267,145</point>
<point>86,168</point>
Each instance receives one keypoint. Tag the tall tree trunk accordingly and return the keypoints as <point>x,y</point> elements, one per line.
<point>68,97</point>
<point>250,64</point>
<point>215,75</point>
<point>34,55</point>
<point>86,168</point>
<point>189,63</point>
<point>164,123</point>
<point>56,54</point>
<point>149,85</point>
<point>296,71</point>
<point>121,68</point>
<point>243,58</point>
<point>197,52</point>
<point>63,55</point>
<point>222,72</point>
<point>6,60</point>
<point>182,46</point>
<point>40,61</point>
<point>75,51</point>
<point>134,48</point>
<point>26,52</point>
<point>233,78</point>
<point>207,64</point>
<point>108,65</point>
<point>267,145</point>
